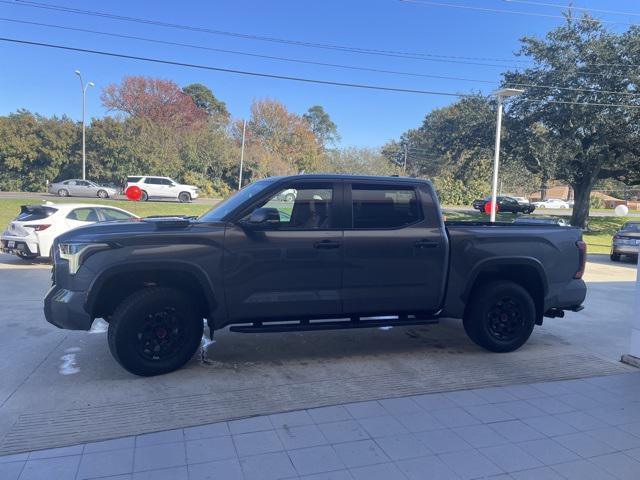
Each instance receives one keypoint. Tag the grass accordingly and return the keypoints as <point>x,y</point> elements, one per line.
<point>598,235</point>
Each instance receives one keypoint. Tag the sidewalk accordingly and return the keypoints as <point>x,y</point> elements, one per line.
<point>576,429</point>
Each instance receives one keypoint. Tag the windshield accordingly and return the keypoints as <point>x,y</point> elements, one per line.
<point>224,208</point>
<point>631,227</point>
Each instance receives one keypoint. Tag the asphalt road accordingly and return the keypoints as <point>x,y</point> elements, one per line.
<point>62,386</point>
<point>51,197</point>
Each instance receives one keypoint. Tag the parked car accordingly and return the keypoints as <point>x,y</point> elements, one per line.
<point>505,205</point>
<point>162,188</point>
<point>288,196</point>
<point>32,232</point>
<point>552,203</point>
<point>522,200</point>
<point>81,188</point>
<point>561,222</point>
<point>626,241</point>
<point>352,248</point>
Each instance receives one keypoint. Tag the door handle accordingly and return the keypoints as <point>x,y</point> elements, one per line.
<point>326,244</point>
<point>426,244</point>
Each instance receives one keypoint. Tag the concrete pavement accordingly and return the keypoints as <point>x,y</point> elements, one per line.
<point>575,429</point>
<point>62,388</point>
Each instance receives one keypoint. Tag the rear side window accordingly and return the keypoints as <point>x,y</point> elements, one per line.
<point>381,207</point>
<point>133,179</point>
<point>29,214</point>
<point>152,181</point>
<point>111,214</point>
<point>83,215</point>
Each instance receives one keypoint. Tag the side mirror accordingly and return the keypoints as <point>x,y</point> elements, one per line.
<point>266,218</point>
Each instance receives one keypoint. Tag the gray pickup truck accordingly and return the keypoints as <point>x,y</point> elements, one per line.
<point>341,253</point>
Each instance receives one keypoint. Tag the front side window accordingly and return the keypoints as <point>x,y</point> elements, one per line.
<point>227,206</point>
<point>304,207</point>
<point>382,207</point>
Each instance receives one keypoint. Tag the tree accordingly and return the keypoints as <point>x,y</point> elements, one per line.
<point>457,139</point>
<point>205,100</point>
<point>34,149</point>
<point>359,161</point>
<point>579,64</point>
<point>322,126</point>
<point>161,101</point>
<point>278,142</point>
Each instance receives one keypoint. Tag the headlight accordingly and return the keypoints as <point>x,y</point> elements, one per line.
<point>76,253</point>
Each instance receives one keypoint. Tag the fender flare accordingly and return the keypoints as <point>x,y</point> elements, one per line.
<point>139,266</point>
<point>490,263</point>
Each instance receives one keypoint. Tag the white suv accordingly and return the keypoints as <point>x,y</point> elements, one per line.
<point>162,188</point>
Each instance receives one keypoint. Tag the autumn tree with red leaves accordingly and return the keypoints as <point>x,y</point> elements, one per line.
<point>161,101</point>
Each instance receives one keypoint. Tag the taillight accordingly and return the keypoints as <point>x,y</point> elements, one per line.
<point>38,228</point>
<point>582,258</point>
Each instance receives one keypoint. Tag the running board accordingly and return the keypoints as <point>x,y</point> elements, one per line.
<point>313,325</point>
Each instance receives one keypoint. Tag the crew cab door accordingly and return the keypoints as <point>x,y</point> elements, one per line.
<point>291,269</point>
<point>395,249</point>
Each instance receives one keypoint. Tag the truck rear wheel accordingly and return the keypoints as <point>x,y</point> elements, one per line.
<point>500,316</point>
<point>155,331</point>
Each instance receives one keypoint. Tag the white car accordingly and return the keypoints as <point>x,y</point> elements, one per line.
<point>156,188</point>
<point>552,203</point>
<point>33,231</point>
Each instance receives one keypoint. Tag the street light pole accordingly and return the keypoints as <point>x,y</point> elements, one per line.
<point>84,102</point>
<point>244,130</point>
<point>501,94</point>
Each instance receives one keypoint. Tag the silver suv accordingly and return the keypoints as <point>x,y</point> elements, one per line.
<point>162,188</point>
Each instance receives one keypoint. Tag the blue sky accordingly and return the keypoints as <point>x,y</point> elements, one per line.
<point>42,80</point>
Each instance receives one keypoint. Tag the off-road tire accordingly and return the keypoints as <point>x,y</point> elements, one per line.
<point>128,322</point>
<point>487,328</point>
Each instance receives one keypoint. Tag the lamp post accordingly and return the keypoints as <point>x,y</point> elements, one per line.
<point>84,101</point>
<point>501,94</point>
<point>244,131</point>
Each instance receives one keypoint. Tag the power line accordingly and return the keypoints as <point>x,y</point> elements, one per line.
<point>366,51</point>
<point>237,52</point>
<point>307,62</point>
<point>501,10</point>
<point>573,7</point>
<point>238,72</point>
<point>358,50</point>
<point>282,77</point>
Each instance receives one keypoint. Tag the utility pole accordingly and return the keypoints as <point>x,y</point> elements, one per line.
<point>84,101</point>
<point>404,168</point>
<point>244,131</point>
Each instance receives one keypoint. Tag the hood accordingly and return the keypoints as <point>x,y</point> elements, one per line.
<point>125,229</point>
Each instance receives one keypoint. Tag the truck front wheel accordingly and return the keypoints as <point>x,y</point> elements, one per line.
<point>154,331</point>
<point>500,316</point>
